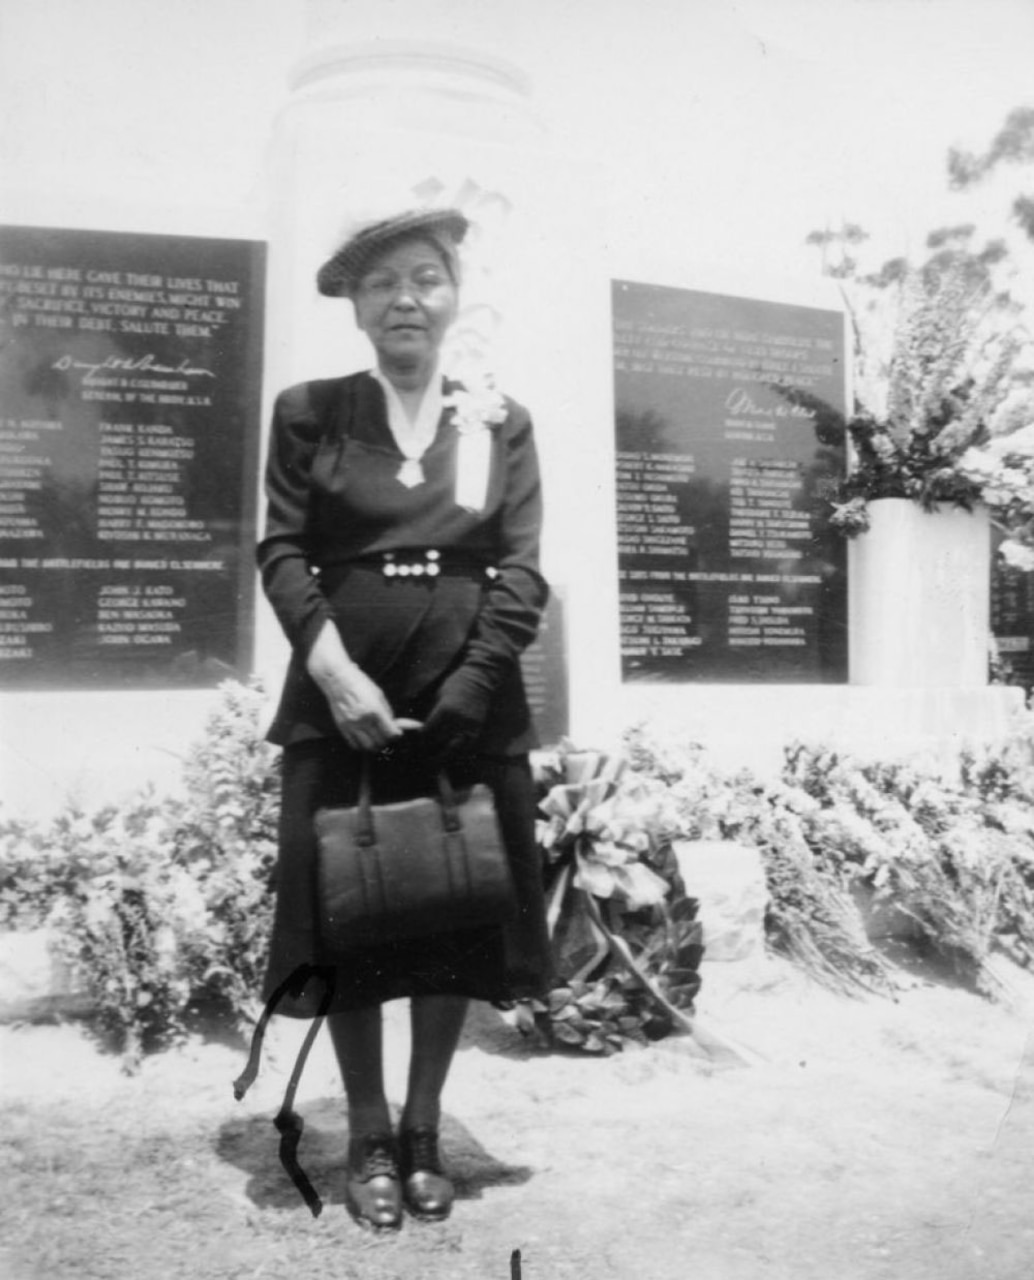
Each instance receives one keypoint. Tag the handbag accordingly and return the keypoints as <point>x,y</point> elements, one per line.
<point>410,868</point>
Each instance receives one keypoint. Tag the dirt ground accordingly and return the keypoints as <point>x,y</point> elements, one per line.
<point>876,1139</point>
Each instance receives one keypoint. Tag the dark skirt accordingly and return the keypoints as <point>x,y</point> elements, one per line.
<point>498,964</point>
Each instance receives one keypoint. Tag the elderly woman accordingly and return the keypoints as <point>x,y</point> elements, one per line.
<point>401,558</point>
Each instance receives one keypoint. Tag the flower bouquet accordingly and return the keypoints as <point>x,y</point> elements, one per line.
<point>625,939</point>
<point>932,374</point>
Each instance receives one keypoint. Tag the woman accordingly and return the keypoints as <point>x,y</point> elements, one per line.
<point>401,558</point>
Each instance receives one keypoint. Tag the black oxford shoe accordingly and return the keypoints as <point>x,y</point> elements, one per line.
<point>427,1191</point>
<point>373,1192</point>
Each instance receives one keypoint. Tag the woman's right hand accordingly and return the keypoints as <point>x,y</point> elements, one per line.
<point>360,709</point>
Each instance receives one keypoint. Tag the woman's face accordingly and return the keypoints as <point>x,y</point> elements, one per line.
<point>404,303</point>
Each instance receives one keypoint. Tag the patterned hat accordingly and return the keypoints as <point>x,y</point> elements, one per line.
<point>340,274</point>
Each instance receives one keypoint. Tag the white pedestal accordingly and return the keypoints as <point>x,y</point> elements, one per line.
<point>920,598</point>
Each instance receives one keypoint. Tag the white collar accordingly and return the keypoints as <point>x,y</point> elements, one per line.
<point>413,437</point>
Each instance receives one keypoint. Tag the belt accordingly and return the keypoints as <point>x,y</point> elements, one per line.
<point>426,564</point>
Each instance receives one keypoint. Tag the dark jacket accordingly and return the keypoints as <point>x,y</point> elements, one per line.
<point>335,509</point>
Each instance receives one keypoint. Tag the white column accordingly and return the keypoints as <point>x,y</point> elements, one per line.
<point>379,122</point>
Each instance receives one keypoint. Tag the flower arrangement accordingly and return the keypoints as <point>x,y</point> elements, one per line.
<point>626,941</point>
<point>477,408</point>
<point>871,864</point>
<point>937,355</point>
<point>1004,469</point>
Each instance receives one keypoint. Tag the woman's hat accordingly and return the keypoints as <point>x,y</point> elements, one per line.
<point>339,275</point>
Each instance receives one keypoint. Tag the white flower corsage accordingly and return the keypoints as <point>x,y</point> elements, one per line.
<point>475,412</point>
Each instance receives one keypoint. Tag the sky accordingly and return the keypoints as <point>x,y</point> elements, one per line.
<point>816,111</point>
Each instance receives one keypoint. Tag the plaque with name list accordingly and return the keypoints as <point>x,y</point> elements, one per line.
<point>1012,618</point>
<point>130,371</point>
<point>730,441</point>
<point>544,670</point>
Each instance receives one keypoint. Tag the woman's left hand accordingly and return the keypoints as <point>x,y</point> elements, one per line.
<point>458,715</point>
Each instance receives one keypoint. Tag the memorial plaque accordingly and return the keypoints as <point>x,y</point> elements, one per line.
<point>730,442</point>
<point>1012,617</point>
<point>544,668</point>
<point>130,371</point>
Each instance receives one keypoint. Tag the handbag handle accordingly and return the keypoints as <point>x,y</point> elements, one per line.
<point>366,836</point>
<point>450,809</point>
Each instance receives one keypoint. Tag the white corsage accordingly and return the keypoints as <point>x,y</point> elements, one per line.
<point>476,410</point>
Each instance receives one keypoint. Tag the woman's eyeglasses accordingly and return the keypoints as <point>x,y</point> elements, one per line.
<point>384,284</point>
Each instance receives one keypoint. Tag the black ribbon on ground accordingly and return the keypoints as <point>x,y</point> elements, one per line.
<point>288,1122</point>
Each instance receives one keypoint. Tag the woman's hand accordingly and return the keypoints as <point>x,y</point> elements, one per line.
<point>459,713</point>
<point>360,709</point>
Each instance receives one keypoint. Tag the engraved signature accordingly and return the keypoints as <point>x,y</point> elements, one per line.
<point>125,364</point>
<point>740,401</point>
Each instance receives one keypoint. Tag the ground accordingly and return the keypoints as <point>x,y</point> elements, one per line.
<point>874,1138</point>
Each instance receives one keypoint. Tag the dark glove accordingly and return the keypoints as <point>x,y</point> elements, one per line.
<point>459,713</point>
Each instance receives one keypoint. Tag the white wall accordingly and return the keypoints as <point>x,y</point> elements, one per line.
<point>139,116</point>
<point>731,125</point>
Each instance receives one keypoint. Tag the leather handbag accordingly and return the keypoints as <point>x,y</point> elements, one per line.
<point>410,868</point>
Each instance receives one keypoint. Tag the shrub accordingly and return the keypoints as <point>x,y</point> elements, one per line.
<point>163,908</point>
<point>160,906</point>
<point>868,862</point>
